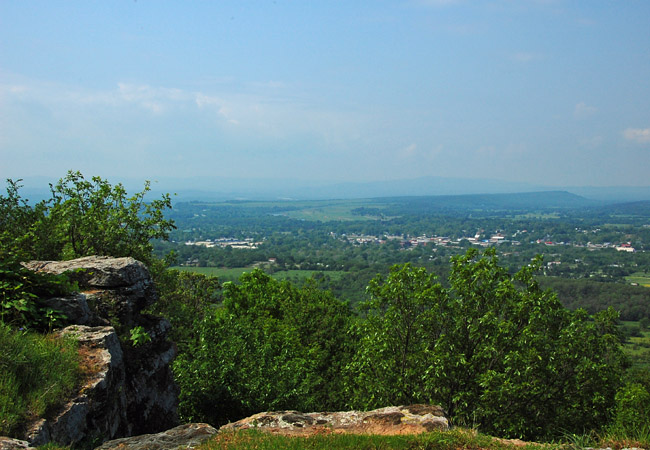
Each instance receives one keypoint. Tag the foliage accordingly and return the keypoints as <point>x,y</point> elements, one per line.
<point>394,338</point>
<point>36,374</point>
<point>138,336</point>
<point>633,302</point>
<point>22,291</point>
<point>184,299</point>
<point>494,349</point>
<point>632,415</point>
<point>83,217</point>
<point>23,231</point>
<point>270,346</point>
<point>92,217</point>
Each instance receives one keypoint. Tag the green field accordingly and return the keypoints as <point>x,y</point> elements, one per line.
<point>329,211</point>
<point>637,348</point>
<point>643,279</point>
<point>314,210</point>
<point>227,274</point>
<point>222,273</point>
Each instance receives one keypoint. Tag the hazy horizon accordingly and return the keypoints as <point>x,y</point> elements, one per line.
<point>550,93</point>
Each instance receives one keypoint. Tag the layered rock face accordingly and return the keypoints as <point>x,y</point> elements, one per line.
<point>129,389</point>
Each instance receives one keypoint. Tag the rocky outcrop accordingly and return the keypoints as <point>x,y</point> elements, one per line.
<point>116,289</point>
<point>14,444</point>
<point>129,389</point>
<point>184,436</point>
<point>390,420</point>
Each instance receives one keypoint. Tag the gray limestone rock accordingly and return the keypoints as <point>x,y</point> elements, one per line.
<point>184,436</point>
<point>389,420</point>
<point>100,407</point>
<point>131,389</point>
<point>14,444</point>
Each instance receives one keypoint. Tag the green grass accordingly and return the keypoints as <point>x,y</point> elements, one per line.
<point>231,274</point>
<point>638,349</point>
<point>37,374</point>
<point>642,278</point>
<point>447,440</point>
<point>222,272</point>
<point>293,274</point>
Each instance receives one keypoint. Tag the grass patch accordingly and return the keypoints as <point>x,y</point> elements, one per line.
<point>223,273</point>
<point>37,374</point>
<point>300,274</point>
<point>641,278</point>
<point>638,350</point>
<point>447,440</point>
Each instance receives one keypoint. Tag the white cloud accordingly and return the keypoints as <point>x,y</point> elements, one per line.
<point>639,135</point>
<point>582,110</point>
<point>203,100</point>
<point>155,99</point>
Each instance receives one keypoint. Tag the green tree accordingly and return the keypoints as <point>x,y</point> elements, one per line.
<point>93,217</point>
<point>185,299</point>
<point>24,231</point>
<point>270,346</point>
<point>494,349</point>
<point>394,337</point>
<point>83,217</point>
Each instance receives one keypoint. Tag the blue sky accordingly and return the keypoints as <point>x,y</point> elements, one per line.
<point>551,92</point>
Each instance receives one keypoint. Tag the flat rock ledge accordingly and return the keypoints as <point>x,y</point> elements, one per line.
<point>391,420</point>
<point>184,436</point>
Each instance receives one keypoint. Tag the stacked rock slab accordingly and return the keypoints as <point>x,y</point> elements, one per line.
<point>130,389</point>
<point>390,420</point>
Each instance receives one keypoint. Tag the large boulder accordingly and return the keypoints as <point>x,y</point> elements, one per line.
<point>390,420</point>
<point>130,388</point>
<point>117,289</point>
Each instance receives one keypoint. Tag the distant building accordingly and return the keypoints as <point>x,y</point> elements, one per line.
<point>625,248</point>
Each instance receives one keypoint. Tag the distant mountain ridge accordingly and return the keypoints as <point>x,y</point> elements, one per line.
<point>514,201</point>
<point>223,188</point>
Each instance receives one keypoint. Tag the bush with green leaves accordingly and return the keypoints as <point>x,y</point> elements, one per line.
<point>632,411</point>
<point>493,349</point>
<point>83,217</point>
<point>269,346</point>
<point>22,292</point>
<point>185,298</point>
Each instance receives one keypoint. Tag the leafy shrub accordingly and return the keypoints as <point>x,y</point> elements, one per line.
<point>21,293</point>
<point>83,217</point>
<point>632,410</point>
<point>269,346</point>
